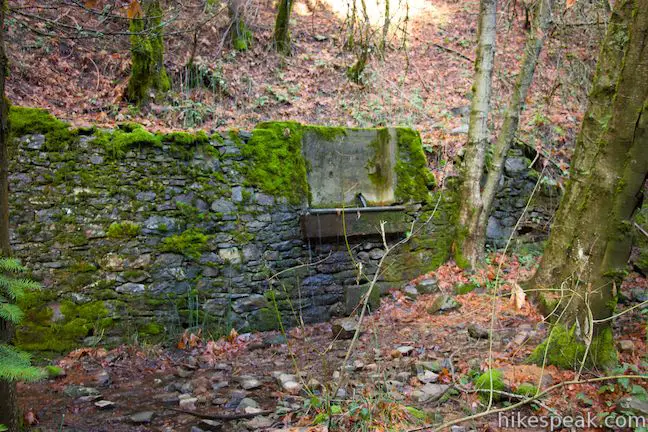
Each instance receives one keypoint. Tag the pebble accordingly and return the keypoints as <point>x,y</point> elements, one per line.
<point>626,346</point>
<point>249,383</point>
<point>142,417</point>
<point>104,404</point>
<point>344,328</point>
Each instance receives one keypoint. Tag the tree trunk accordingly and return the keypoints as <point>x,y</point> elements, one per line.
<point>282,24</point>
<point>473,163</point>
<point>8,402</point>
<point>532,49</point>
<point>147,54</point>
<point>586,256</point>
<point>240,34</point>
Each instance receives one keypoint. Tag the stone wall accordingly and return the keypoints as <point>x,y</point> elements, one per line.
<point>135,234</point>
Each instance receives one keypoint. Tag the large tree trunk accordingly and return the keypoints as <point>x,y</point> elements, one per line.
<point>282,27</point>
<point>587,252</point>
<point>147,54</point>
<point>8,402</point>
<point>478,137</point>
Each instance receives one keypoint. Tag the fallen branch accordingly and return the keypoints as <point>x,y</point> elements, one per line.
<point>452,51</point>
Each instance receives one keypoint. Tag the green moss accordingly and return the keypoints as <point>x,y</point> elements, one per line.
<point>265,319</point>
<point>186,139</point>
<point>123,230</point>
<point>326,133</point>
<point>23,121</point>
<point>465,288</point>
<point>275,163</point>
<point>414,179</point>
<point>54,371</point>
<point>82,267</point>
<point>147,55</point>
<point>379,167</point>
<point>40,333</point>
<point>526,390</point>
<point>191,243</point>
<point>151,328</point>
<point>241,36</point>
<point>565,350</point>
<point>483,382</point>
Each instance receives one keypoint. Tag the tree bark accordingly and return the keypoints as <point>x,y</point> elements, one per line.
<point>147,54</point>
<point>586,255</point>
<point>535,41</point>
<point>282,27</point>
<point>8,401</point>
<point>240,34</point>
<point>478,137</point>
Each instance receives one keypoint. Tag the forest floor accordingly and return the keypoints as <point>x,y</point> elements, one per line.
<point>411,367</point>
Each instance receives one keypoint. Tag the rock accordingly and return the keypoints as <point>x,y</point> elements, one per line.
<point>259,422</point>
<point>131,288</point>
<point>633,405</point>
<point>432,392</point>
<point>460,130</point>
<point>427,377</point>
<point>249,383</point>
<point>102,378</point>
<point>405,350</point>
<point>433,366</point>
<point>142,417</point>
<point>77,391</point>
<point>456,428</point>
<point>104,404</point>
<point>410,292</point>
<point>477,332</point>
<point>344,328</point>
<point>247,403</point>
<point>183,373</point>
<point>639,295</point>
<point>187,403</point>
<point>626,346</point>
<point>428,286</point>
<point>515,165</point>
<point>211,425</point>
<point>443,303</point>
<point>291,387</point>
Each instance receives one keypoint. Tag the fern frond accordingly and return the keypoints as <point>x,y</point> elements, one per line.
<point>15,365</point>
<point>11,265</point>
<point>11,312</point>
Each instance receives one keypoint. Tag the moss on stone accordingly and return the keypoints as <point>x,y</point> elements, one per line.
<point>491,379</point>
<point>465,288</point>
<point>186,139</point>
<point>191,243</point>
<point>58,134</point>
<point>379,168</point>
<point>414,179</point>
<point>123,230</point>
<point>326,133</point>
<point>526,390</point>
<point>265,319</point>
<point>241,36</point>
<point>275,163</point>
<point>39,332</point>
<point>566,350</point>
<point>151,329</point>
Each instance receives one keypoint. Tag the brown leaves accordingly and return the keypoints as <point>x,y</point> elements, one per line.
<point>134,10</point>
<point>190,340</point>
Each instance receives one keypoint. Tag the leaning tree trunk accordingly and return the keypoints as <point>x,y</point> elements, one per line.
<point>147,54</point>
<point>473,163</point>
<point>282,24</point>
<point>8,401</point>
<point>587,252</point>
<point>532,49</point>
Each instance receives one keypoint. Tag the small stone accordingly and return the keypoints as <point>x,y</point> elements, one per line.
<point>456,428</point>
<point>76,391</point>
<point>358,365</point>
<point>142,417</point>
<point>188,403</point>
<point>410,292</point>
<point>247,403</point>
<point>183,373</point>
<point>405,350</point>
<point>291,387</point>
<point>211,425</point>
<point>433,392</point>
<point>477,332</point>
<point>633,405</point>
<point>104,404</point>
<point>102,378</point>
<point>434,366</point>
<point>626,346</point>
<point>443,303</point>
<point>463,129</point>
<point>259,422</point>
<point>428,286</point>
<point>427,377</point>
<point>344,328</point>
<point>249,383</point>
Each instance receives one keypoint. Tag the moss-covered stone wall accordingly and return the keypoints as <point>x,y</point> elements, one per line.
<point>139,235</point>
